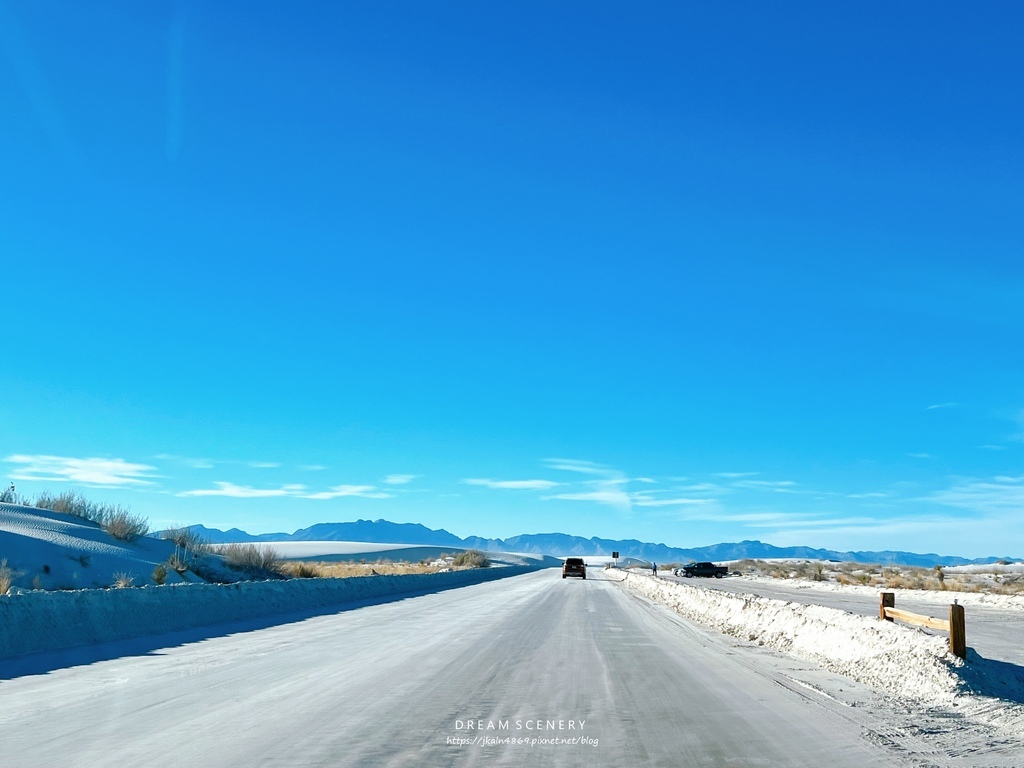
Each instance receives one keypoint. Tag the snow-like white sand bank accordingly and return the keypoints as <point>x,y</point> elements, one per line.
<point>886,656</point>
<point>36,621</point>
<point>62,566</point>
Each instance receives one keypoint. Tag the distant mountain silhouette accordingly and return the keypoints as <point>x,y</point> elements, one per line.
<point>562,545</point>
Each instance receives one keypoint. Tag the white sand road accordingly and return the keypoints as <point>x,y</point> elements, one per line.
<point>397,683</point>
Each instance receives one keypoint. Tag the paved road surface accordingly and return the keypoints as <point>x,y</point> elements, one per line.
<point>395,684</point>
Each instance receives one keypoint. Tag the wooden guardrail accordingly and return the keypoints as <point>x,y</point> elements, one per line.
<point>954,625</point>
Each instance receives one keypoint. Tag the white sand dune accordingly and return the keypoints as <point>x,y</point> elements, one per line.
<point>50,550</point>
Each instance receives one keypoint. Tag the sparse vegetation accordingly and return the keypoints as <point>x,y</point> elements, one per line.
<point>255,561</point>
<point>123,580</point>
<point>116,520</point>
<point>7,575</point>
<point>348,568</point>
<point>303,570</point>
<point>471,558</point>
<point>995,581</point>
<point>8,496</point>
<point>160,573</point>
<point>189,540</point>
<point>123,525</point>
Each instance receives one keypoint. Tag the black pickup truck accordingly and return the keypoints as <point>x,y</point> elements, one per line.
<point>702,569</point>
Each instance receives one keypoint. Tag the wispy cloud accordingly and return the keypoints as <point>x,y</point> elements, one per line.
<point>612,497</point>
<point>338,491</point>
<point>293,490</point>
<point>734,475</point>
<point>580,466</point>
<point>244,491</point>
<point>89,471</point>
<point>937,406</point>
<point>871,495</point>
<point>606,485</point>
<point>994,495</point>
<point>517,485</point>
<point>920,456</point>
<point>264,464</point>
<point>399,479</point>
<point>777,486</point>
<point>312,467</point>
<point>645,501</point>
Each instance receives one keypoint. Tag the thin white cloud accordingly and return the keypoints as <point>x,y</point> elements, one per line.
<point>645,480</point>
<point>871,495</point>
<point>264,464</point>
<point>734,475</point>
<point>607,484</point>
<point>920,456</point>
<point>581,466</point>
<point>701,488</point>
<point>399,479</point>
<point>518,485</point>
<point>244,491</point>
<point>995,495</point>
<point>613,498</point>
<point>937,406</point>
<point>89,471</point>
<point>769,484</point>
<point>312,467</point>
<point>338,491</point>
<point>293,490</point>
<point>648,502</point>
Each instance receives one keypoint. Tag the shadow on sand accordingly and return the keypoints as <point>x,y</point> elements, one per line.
<point>49,661</point>
<point>989,677</point>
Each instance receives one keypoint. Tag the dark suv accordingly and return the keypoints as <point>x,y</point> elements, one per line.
<point>574,566</point>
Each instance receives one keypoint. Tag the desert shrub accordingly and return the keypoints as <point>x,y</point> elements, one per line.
<point>8,496</point>
<point>124,525</point>
<point>122,580</point>
<point>6,577</point>
<point>160,573</point>
<point>190,540</point>
<point>301,570</point>
<point>179,560</point>
<point>471,558</point>
<point>257,562</point>
<point>116,520</point>
<point>70,502</point>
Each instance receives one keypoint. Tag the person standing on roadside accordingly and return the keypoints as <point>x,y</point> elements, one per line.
<point>654,568</point>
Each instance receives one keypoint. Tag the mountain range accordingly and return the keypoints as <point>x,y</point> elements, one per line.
<point>562,545</point>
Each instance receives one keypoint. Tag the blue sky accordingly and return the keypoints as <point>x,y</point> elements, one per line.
<point>684,273</point>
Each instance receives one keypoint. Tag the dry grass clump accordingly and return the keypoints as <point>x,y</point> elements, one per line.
<point>124,525</point>
<point>471,558</point>
<point>348,569</point>
<point>7,575</point>
<point>123,580</point>
<point>303,570</point>
<point>116,520</point>
<point>160,574</point>
<point>998,581</point>
<point>188,539</point>
<point>255,561</point>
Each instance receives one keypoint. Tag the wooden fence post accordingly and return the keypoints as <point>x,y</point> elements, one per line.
<point>886,600</point>
<point>957,631</point>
